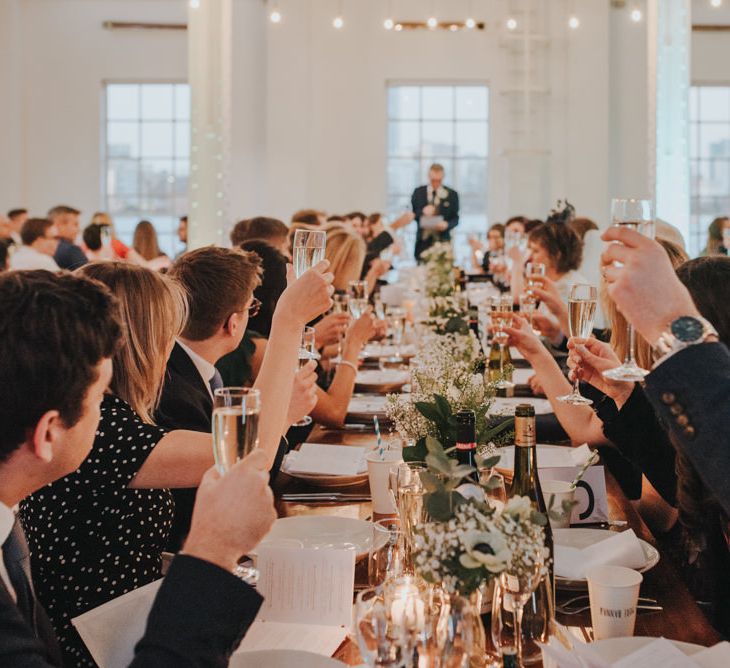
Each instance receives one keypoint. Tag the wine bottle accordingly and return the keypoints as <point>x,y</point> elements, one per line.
<point>466,441</point>
<point>526,482</point>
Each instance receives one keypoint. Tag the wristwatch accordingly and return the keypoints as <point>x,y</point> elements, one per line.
<point>684,331</point>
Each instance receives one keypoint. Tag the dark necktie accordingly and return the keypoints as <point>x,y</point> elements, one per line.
<point>216,381</point>
<point>17,564</point>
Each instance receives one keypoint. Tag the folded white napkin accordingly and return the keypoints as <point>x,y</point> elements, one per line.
<point>507,405</point>
<point>621,549</point>
<point>316,458</point>
<point>368,404</point>
<point>521,376</point>
<point>378,377</point>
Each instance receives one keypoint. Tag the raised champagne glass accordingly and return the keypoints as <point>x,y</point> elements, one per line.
<point>581,312</point>
<point>636,214</point>
<point>308,249</point>
<point>307,351</point>
<point>397,326</point>
<point>501,316</point>
<point>340,304</point>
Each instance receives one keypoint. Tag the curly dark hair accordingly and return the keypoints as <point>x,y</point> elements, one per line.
<point>561,243</point>
<point>55,329</point>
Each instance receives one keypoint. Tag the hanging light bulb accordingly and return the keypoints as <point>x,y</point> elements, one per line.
<point>574,22</point>
<point>338,23</point>
<point>275,16</point>
<point>388,24</point>
<point>432,23</point>
<point>636,15</point>
<point>470,23</point>
<point>511,24</point>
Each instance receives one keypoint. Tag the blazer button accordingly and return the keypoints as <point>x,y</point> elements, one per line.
<point>689,431</point>
<point>675,409</point>
<point>682,420</point>
<point>668,398</point>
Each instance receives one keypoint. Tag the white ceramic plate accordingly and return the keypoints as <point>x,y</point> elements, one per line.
<point>282,658</point>
<point>614,649</point>
<point>581,538</point>
<point>323,531</point>
<point>367,405</point>
<point>376,380</point>
<point>377,350</point>
<point>331,481</point>
<point>507,405</point>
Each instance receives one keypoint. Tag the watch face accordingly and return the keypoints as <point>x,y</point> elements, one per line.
<point>687,329</point>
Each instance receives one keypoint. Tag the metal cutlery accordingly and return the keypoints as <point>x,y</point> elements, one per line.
<point>322,497</point>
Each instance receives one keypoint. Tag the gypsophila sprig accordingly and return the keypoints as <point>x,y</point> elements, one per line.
<point>439,261</point>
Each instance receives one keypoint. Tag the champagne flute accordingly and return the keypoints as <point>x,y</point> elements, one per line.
<point>357,307</point>
<point>308,249</point>
<point>581,311</point>
<point>484,323</point>
<point>501,314</point>
<point>534,277</point>
<point>379,308</point>
<point>636,214</point>
<point>340,304</point>
<point>307,351</point>
<point>528,306</point>
<point>359,289</point>
<point>397,326</point>
<point>236,434</point>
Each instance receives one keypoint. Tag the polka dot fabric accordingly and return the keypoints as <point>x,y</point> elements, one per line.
<point>91,538</point>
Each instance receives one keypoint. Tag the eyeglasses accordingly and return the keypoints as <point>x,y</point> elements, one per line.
<point>255,307</point>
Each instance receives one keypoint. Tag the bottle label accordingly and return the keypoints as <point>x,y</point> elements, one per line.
<point>524,432</point>
<point>466,446</point>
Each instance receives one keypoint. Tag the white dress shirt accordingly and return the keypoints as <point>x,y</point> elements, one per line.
<point>204,367</point>
<point>7,519</point>
<point>27,257</point>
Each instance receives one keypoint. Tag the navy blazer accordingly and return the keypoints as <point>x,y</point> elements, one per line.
<point>690,393</point>
<point>448,208</point>
<point>198,619</point>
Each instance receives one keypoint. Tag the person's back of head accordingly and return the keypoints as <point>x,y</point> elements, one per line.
<point>154,310</point>
<point>17,214</point>
<point>4,253</point>
<point>219,282</point>
<point>708,281</point>
<point>62,210</point>
<point>92,236</point>
<point>34,229</point>
<point>55,330</point>
<point>308,217</point>
<point>714,235</point>
<point>336,219</point>
<point>273,283</point>
<point>345,251</point>
<point>145,240</point>
<point>561,243</point>
<point>261,227</point>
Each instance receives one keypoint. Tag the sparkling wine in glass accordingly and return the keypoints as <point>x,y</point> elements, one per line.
<point>397,327</point>
<point>357,307</point>
<point>340,304</point>
<point>307,352</point>
<point>359,289</point>
<point>534,277</point>
<point>308,249</point>
<point>528,306</point>
<point>581,312</point>
<point>501,316</point>
<point>235,424</point>
<point>636,214</point>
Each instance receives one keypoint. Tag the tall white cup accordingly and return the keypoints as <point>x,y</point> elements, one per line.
<point>379,475</point>
<point>613,593</point>
<point>562,491</point>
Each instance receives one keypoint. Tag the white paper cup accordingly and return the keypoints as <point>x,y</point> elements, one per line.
<point>562,491</point>
<point>613,593</point>
<point>379,476</point>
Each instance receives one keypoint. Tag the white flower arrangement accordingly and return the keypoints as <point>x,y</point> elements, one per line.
<point>439,261</point>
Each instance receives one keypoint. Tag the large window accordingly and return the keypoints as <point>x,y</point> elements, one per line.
<point>444,124</point>
<point>709,159</point>
<point>147,157</point>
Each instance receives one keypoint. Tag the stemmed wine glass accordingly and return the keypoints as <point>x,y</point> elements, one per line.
<point>397,326</point>
<point>636,214</point>
<point>534,277</point>
<point>528,306</point>
<point>307,351</point>
<point>501,315</point>
<point>340,304</point>
<point>581,311</point>
<point>358,302</point>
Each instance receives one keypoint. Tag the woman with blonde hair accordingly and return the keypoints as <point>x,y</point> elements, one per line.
<point>146,244</point>
<point>346,252</point>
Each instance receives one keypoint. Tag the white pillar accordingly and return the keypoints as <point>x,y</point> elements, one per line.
<point>12,166</point>
<point>669,28</point>
<point>209,73</point>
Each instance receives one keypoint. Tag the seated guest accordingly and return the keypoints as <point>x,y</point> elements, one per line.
<point>716,232</point>
<point>93,243</point>
<point>334,218</point>
<point>146,244</point>
<point>51,386</point>
<point>271,230</point>
<point>182,234</point>
<point>39,245</point>
<point>346,252</point>
<point>121,489</point>
<point>17,217</point>
<point>216,281</point>
<point>66,220</point>
<point>309,217</point>
<point>356,219</point>
<point>481,255</point>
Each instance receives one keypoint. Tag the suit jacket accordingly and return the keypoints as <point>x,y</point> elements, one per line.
<point>448,208</point>
<point>199,616</point>
<point>69,256</point>
<point>185,404</point>
<point>690,393</point>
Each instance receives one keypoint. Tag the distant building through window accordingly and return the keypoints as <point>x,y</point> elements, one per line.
<point>147,157</point>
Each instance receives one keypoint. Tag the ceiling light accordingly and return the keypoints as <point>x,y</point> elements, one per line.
<point>338,22</point>
<point>574,22</point>
<point>470,23</point>
<point>636,15</point>
<point>388,24</point>
<point>275,16</point>
<point>432,22</point>
<point>511,24</point>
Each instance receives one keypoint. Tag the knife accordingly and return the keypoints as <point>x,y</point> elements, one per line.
<point>325,498</point>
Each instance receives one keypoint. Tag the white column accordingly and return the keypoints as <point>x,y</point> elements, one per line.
<point>669,29</point>
<point>209,73</point>
<point>12,166</point>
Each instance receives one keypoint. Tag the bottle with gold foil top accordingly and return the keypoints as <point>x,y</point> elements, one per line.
<point>538,611</point>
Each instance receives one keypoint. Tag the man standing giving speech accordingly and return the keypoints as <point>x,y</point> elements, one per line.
<point>436,208</point>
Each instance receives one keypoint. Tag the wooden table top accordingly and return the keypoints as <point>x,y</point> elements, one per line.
<point>681,618</point>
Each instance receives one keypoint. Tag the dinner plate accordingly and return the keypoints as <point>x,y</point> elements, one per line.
<point>507,405</point>
<point>374,351</point>
<point>324,531</point>
<point>282,658</point>
<point>581,538</point>
<point>377,380</point>
<point>365,406</point>
<point>331,481</point>
<point>613,649</point>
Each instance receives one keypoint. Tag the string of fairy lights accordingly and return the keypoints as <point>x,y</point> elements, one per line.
<point>432,22</point>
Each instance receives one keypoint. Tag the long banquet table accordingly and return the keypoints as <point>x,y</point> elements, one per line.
<point>681,618</point>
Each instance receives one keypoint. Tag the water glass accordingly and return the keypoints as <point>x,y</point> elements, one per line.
<point>235,424</point>
<point>386,557</point>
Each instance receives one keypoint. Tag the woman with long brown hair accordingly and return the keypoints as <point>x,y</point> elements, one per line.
<point>146,244</point>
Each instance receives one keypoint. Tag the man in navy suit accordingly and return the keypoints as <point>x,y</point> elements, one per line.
<point>434,199</point>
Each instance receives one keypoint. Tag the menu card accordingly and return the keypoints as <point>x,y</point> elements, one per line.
<point>316,458</point>
<point>300,585</point>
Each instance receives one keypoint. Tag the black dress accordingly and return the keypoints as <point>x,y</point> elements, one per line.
<point>92,538</point>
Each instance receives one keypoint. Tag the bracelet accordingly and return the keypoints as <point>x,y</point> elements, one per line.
<point>346,363</point>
